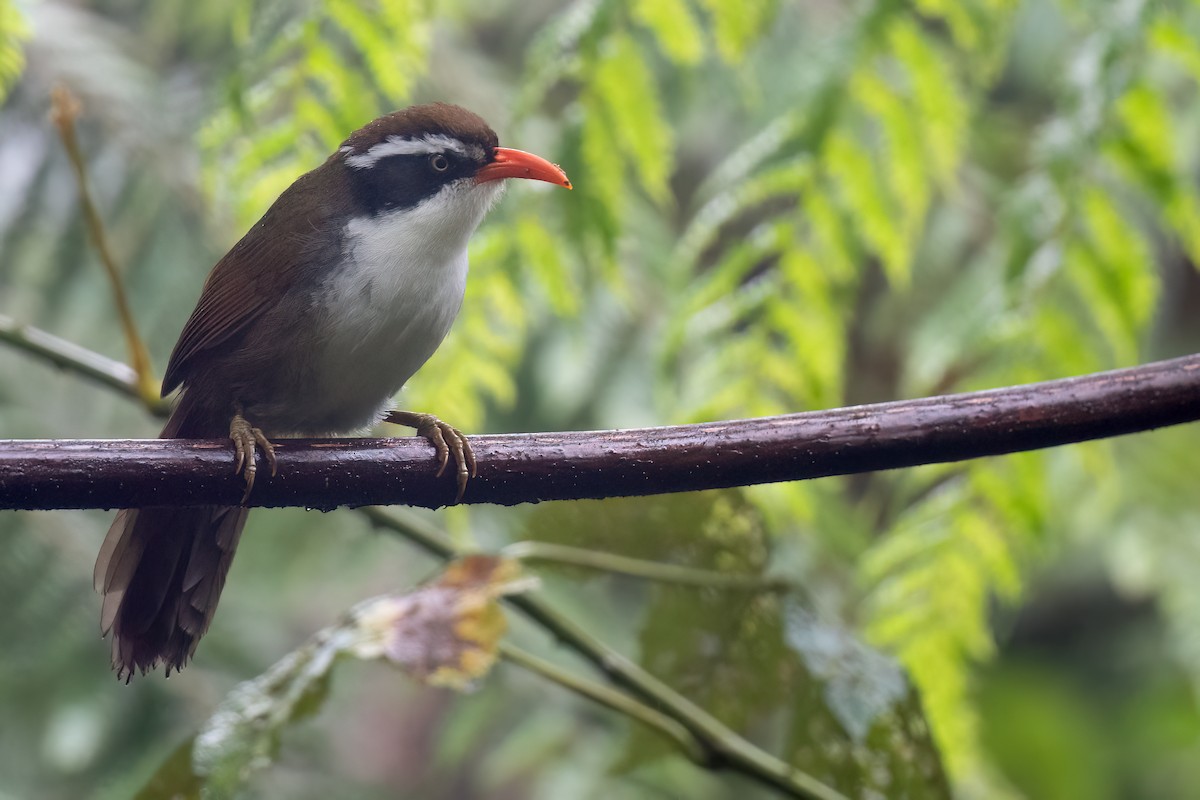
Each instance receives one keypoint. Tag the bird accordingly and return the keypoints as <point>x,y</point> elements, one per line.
<point>307,327</point>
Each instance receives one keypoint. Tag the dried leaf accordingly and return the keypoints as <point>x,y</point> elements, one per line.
<point>445,633</point>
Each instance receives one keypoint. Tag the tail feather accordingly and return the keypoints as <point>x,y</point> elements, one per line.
<point>207,567</point>
<point>165,574</point>
<point>161,571</point>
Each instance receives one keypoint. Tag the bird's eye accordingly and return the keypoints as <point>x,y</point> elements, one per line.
<point>439,163</point>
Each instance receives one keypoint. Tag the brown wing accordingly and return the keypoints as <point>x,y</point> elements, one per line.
<point>259,269</point>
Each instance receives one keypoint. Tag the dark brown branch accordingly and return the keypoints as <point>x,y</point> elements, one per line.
<point>520,468</point>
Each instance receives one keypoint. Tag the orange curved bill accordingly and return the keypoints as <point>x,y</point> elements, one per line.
<point>509,163</point>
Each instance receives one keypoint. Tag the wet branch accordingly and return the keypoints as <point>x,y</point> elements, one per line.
<point>522,468</point>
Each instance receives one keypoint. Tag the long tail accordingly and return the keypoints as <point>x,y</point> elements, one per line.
<point>161,571</point>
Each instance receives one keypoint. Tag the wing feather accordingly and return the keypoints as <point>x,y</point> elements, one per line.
<point>259,270</point>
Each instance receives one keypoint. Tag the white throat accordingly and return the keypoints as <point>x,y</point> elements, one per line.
<point>431,233</point>
<point>394,297</point>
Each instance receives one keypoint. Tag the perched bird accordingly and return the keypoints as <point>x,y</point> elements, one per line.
<point>308,327</point>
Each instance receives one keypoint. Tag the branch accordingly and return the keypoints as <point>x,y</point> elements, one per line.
<point>519,468</point>
<point>610,698</point>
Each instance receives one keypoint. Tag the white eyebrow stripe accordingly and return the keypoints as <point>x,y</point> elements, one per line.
<point>426,145</point>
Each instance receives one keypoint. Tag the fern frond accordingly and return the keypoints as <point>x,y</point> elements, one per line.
<point>675,26</point>
<point>330,67</point>
<point>623,99</point>
<point>737,24</point>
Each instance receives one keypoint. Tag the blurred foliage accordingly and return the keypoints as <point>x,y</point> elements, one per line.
<point>306,81</point>
<point>779,206</point>
<point>446,633</point>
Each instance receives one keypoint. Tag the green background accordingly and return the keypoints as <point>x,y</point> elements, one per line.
<point>779,206</point>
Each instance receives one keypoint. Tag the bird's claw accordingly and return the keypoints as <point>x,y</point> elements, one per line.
<point>447,440</point>
<point>246,438</point>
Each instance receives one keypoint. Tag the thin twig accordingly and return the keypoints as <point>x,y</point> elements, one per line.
<point>549,552</point>
<point>727,750</point>
<point>61,353</point>
<point>610,698</point>
<point>65,109</point>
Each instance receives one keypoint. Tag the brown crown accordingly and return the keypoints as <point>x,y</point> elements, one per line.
<point>436,118</point>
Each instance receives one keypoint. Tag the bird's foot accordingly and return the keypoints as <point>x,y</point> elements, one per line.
<point>447,441</point>
<point>245,439</point>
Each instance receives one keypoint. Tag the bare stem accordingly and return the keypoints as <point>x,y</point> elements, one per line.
<point>610,698</point>
<point>70,356</point>
<point>65,109</point>
<point>640,568</point>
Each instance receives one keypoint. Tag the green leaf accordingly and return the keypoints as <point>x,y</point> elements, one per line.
<point>930,584</point>
<point>554,52</point>
<point>714,646</point>
<point>962,19</point>
<point>939,110</point>
<point>322,73</point>
<point>856,724</point>
<point>738,23</point>
<point>1170,35</point>
<point>901,153</point>
<point>176,778</point>
<point>783,180</point>
<point>1149,152</point>
<point>830,237</point>
<point>1145,116</point>
<point>623,100</point>
<point>542,261</point>
<point>243,734</point>
<point>1114,272</point>
<point>862,684</point>
<point>604,184</point>
<point>392,39</point>
<point>818,370</point>
<point>676,28</point>
<point>852,171</point>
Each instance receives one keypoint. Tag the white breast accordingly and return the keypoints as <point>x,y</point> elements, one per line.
<point>392,302</point>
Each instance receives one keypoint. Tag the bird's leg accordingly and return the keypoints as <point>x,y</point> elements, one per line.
<point>447,441</point>
<point>245,438</point>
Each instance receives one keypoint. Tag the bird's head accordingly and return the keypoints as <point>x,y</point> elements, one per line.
<point>436,167</point>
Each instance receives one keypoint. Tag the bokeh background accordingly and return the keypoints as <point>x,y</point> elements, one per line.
<point>779,206</point>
